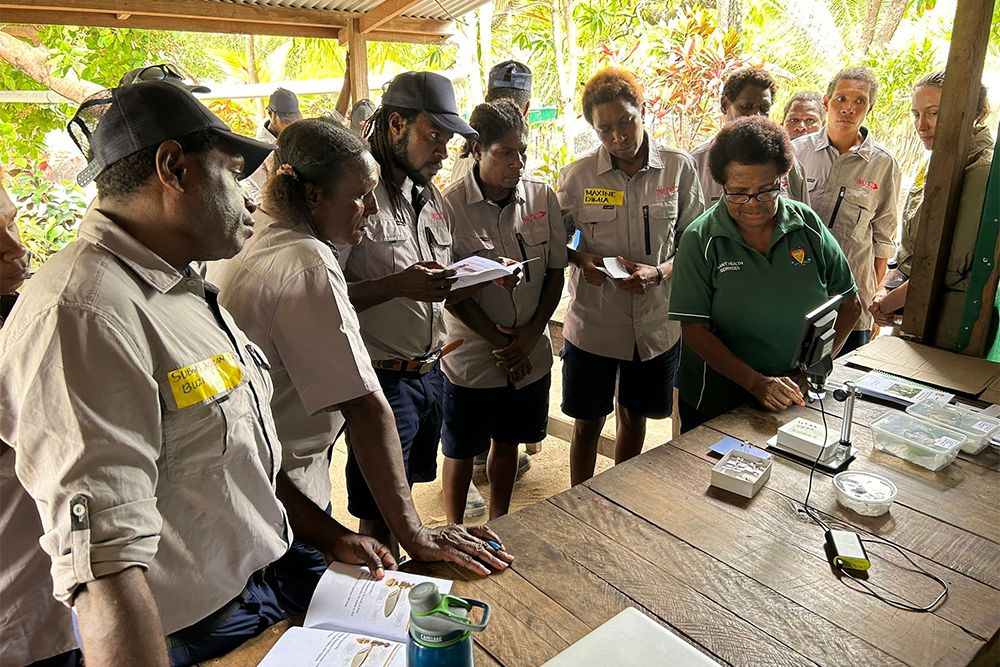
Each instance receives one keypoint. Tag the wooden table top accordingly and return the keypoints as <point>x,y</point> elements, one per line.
<point>747,581</point>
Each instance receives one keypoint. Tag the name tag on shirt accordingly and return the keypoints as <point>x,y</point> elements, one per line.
<point>205,379</point>
<point>602,196</point>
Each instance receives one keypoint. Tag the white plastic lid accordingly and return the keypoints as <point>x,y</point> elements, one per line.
<point>865,486</point>
<point>974,425</point>
<point>921,434</point>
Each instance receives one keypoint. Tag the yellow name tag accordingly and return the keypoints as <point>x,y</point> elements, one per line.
<point>602,196</point>
<point>205,379</point>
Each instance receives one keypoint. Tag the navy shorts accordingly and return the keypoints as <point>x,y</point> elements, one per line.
<point>294,576</point>
<point>416,404</point>
<point>474,417</point>
<point>644,387</point>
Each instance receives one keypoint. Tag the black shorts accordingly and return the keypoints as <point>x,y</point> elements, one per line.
<point>474,417</point>
<point>416,404</point>
<point>644,387</point>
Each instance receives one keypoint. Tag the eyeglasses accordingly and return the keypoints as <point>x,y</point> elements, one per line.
<point>743,198</point>
<point>807,122</point>
<point>159,73</point>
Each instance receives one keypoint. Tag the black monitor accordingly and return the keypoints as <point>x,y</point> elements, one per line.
<point>814,351</point>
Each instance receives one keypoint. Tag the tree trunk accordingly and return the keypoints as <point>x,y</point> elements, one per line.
<point>730,13</point>
<point>252,75</point>
<point>893,16</point>
<point>868,28</point>
<point>485,44</point>
<point>567,62</point>
<point>34,61</point>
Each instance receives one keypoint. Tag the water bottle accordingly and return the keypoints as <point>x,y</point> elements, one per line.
<point>440,632</point>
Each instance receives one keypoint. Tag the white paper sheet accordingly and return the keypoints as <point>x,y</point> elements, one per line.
<point>474,270</point>
<point>306,647</point>
<point>614,268</point>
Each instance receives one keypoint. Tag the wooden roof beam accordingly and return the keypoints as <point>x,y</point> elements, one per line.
<point>383,12</point>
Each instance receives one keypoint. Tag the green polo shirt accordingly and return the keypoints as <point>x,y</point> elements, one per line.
<point>754,303</point>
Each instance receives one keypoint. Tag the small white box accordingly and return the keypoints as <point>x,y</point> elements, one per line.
<point>805,438</point>
<point>745,482</point>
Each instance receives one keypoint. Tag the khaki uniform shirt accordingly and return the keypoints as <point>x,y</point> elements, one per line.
<point>401,328</point>
<point>463,167</point>
<point>140,417</point>
<point>287,292</point>
<point>639,218</point>
<point>254,184</point>
<point>530,226</point>
<point>793,186</point>
<point>855,196</point>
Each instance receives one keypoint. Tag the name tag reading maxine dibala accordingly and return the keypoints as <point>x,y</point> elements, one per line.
<point>602,196</point>
<point>205,379</point>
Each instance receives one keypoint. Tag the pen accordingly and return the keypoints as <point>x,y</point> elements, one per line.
<point>492,544</point>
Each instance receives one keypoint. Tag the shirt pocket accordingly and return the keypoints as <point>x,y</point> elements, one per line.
<point>440,243</point>
<point>197,438</point>
<point>856,214</point>
<point>532,243</point>
<point>474,242</point>
<point>597,228</point>
<point>659,222</point>
<point>385,245</point>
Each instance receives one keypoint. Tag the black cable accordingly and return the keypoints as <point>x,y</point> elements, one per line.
<point>892,601</point>
<point>812,472</point>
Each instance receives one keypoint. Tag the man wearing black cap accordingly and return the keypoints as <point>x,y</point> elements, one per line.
<point>282,111</point>
<point>397,275</point>
<point>509,80</point>
<point>138,412</point>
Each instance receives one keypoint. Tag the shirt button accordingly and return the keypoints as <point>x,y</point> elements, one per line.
<point>635,243</point>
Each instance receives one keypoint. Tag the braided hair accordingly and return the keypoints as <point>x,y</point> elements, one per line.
<point>494,121</point>
<point>380,138</point>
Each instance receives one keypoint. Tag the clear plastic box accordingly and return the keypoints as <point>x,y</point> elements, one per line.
<point>916,440</point>
<point>975,426</point>
<point>866,493</point>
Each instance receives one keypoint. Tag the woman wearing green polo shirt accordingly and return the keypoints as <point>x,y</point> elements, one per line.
<point>745,275</point>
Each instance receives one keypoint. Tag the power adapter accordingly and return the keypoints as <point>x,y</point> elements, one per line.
<point>846,550</point>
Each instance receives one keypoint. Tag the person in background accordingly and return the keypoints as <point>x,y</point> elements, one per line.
<point>161,527</point>
<point>925,103</point>
<point>361,113</point>
<point>282,111</point>
<point>511,81</point>
<point>339,111</point>
<point>496,392</point>
<point>745,275</point>
<point>630,199</point>
<point>286,290</point>
<point>803,113</point>
<point>853,185</point>
<point>747,92</point>
<point>397,279</point>
<point>35,629</point>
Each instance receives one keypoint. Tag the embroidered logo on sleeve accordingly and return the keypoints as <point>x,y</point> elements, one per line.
<point>205,379</point>
<point>602,196</point>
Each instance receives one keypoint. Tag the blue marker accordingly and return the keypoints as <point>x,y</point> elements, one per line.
<point>492,544</point>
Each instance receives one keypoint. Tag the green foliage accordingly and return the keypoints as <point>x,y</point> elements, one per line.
<point>48,213</point>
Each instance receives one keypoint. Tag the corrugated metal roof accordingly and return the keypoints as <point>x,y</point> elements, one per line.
<point>429,9</point>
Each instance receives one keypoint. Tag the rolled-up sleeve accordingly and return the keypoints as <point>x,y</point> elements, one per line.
<point>82,409</point>
<point>690,284</point>
<point>317,335</point>
<point>886,221</point>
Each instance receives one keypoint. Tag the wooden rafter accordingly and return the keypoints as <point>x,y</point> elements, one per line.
<point>224,17</point>
<point>385,12</point>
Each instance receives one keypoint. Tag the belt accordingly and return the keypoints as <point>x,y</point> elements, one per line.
<point>206,626</point>
<point>421,366</point>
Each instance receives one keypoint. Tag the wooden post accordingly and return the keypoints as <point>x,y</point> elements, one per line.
<point>946,172</point>
<point>358,47</point>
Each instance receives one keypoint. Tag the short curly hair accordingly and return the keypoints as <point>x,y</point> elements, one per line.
<point>855,74</point>
<point>806,97</point>
<point>751,140</point>
<point>610,84</point>
<point>748,76</point>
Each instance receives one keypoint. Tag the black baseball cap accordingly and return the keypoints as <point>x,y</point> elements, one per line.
<point>115,123</point>
<point>431,93</point>
<point>163,72</point>
<point>284,102</point>
<point>510,74</point>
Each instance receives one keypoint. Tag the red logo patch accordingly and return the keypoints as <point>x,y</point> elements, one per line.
<point>672,190</point>
<point>798,254</point>
<point>437,216</point>
<point>533,216</point>
<point>868,184</point>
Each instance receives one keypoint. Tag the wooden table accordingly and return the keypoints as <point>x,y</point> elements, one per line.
<point>747,580</point>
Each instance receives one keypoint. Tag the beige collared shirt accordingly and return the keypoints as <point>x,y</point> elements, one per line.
<point>640,219</point>
<point>530,227</point>
<point>861,189</point>
<point>793,186</point>
<point>254,184</point>
<point>140,417</point>
<point>287,292</point>
<point>463,167</point>
<point>401,328</point>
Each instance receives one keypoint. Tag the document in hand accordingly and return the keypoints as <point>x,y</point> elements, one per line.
<point>614,268</point>
<point>474,270</point>
<point>353,620</point>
